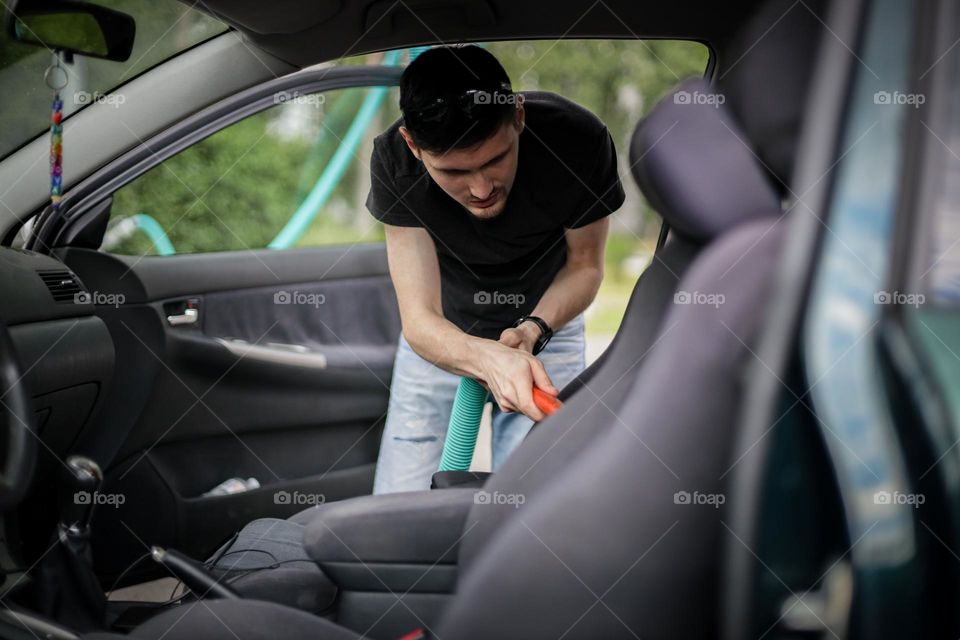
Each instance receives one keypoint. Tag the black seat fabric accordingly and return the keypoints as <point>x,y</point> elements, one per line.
<point>239,620</point>
<point>626,541</point>
<point>694,165</point>
<point>266,560</point>
<point>549,448</point>
<point>677,144</point>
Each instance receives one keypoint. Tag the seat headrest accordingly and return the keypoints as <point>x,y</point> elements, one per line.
<point>694,166</point>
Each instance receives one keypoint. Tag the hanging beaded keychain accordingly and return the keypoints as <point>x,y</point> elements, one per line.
<point>56,83</point>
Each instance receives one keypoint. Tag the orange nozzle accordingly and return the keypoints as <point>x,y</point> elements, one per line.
<point>545,402</point>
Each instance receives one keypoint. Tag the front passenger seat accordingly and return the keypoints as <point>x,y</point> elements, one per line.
<point>690,162</point>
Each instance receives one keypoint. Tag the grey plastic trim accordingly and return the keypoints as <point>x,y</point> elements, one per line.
<point>291,355</point>
<point>16,622</point>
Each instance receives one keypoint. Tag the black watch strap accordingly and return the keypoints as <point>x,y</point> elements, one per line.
<point>545,331</point>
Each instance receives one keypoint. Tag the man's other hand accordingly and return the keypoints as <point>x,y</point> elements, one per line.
<point>523,337</point>
<point>510,373</point>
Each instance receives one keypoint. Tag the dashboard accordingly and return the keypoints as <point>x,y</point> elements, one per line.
<point>66,357</point>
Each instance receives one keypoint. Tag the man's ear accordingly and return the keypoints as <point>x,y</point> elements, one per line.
<point>519,118</point>
<point>414,149</point>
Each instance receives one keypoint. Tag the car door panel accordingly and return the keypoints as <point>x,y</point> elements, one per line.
<point>272,364</point>
<point>283,376</point>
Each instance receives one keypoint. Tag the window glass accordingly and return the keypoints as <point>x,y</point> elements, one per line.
<point>941,275</point>
<point>291,164</point>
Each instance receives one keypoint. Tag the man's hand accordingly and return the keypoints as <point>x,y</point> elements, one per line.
<point>523,337</point>
<point>510,374</point>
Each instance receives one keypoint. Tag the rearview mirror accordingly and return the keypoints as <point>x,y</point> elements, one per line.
<point>76,27</point>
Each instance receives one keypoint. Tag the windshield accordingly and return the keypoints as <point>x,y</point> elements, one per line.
<point>164,28</point>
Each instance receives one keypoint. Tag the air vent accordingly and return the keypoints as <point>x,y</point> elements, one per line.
<point>62,284</point>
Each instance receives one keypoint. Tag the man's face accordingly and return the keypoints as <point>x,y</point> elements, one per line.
<point>478,177</point>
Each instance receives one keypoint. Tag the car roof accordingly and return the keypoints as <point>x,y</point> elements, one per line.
<point>305,33</point>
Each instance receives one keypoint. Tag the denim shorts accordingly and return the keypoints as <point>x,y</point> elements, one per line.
<point>421,400</point>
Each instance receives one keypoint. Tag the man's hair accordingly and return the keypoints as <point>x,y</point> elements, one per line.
<point>447,75</point>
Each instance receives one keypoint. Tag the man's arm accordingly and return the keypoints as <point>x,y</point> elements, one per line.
<point>509,373</point>
<point>574,287</point>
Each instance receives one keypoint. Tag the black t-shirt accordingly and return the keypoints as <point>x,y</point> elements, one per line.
<point>493,271</point>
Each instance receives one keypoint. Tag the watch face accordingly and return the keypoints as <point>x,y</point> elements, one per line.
<point>542,342</point>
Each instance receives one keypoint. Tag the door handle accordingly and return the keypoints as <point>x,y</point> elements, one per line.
<point>189,314</point>
<point>824,610</point>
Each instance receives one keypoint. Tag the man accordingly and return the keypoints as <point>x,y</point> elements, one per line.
<point>495,207</point>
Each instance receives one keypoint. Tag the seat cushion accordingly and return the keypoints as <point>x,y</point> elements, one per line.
<point>266,560</point>
<point>239,620</point>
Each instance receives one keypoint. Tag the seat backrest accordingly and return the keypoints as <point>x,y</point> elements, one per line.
<point>626,542</point>
<point>688,158</point>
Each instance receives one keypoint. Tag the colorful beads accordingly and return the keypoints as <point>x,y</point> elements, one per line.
<point>56,153</point>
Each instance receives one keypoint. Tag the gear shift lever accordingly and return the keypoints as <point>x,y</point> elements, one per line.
<point>69,589</point>
<point>82,480</point>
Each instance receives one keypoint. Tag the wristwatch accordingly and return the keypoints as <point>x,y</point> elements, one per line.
<point>545,331</point>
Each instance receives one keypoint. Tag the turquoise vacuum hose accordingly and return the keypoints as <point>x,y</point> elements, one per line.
<point>464,425</point>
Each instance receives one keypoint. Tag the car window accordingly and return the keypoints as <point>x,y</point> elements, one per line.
<point>164,28</point>
<point>941,269</point>
<point>293,175</point>
<point>242,187</point>
<point>297,173</point>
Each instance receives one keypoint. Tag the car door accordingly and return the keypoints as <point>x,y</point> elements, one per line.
<point>254,322</point>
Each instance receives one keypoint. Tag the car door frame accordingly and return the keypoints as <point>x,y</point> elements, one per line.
<point>79,208</point>
<point>82,219</point>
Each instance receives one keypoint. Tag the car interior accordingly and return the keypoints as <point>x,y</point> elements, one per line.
<point>198,376</point>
